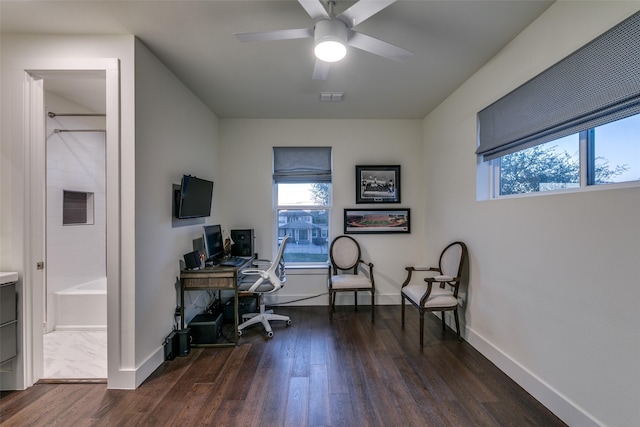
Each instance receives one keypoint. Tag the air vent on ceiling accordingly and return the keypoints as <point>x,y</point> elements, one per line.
<point>331,96</point>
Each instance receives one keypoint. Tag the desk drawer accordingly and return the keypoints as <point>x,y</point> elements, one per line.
<point>209,282</point>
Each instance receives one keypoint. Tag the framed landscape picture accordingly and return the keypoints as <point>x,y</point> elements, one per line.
<point>378,184</point>
<point>376,221</point>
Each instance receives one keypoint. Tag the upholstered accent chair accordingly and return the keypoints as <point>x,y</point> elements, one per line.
<point>438,291</point>
<point>348,272</point>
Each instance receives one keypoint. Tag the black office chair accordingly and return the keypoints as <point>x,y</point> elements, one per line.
<point>266,278</point>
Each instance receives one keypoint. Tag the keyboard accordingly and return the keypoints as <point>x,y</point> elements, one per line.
<point>234,261</point>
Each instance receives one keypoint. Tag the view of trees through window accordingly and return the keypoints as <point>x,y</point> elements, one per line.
<point>303,214</point>
<point>612,155</point>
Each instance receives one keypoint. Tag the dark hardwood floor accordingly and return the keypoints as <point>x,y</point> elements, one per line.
<point>350,372</point>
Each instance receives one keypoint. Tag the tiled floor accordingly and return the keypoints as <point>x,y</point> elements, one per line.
<point>75,354</point>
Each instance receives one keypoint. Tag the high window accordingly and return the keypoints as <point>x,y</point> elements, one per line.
<point>302,194</point>
<point>606,154</point>
<point>576,124</point>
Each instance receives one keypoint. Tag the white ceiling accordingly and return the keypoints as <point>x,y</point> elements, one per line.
<point>451,39</point>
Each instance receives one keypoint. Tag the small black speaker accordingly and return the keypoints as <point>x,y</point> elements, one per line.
<point>184,340</point>
<point>171,346</point>
<point>192,260</point>
<point>242,242</point>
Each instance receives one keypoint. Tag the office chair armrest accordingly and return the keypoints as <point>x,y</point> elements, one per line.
<point>261,263</point>
<point>253,272</point>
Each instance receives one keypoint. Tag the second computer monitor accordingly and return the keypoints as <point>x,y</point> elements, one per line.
<point>213,242</point>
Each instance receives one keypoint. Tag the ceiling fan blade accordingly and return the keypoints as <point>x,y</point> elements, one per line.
<point>321,70</point>
<point>376,46</point>
<point>315,9</point>
<point>264,36</point>
<point>363,10</point>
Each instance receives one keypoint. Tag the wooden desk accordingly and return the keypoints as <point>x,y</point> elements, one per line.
<point>218,278</point>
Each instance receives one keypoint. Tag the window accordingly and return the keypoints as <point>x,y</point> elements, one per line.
<point>610,154</point>
<point>616,151</point>
<point>302,187</point>
<point>303,213</point>
<point>576,124</point>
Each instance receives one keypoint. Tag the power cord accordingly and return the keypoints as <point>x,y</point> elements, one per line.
<point>298,300</point>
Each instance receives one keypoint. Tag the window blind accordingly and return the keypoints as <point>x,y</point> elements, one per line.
<point>301,164</point>
<point>597,84</point>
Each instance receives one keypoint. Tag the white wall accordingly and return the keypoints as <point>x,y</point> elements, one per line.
<point>175,135</point>
<point>553,278</point>
<point>244,194</point>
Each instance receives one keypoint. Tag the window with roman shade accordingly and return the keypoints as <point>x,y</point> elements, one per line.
<point>597,84</point>
<point>301,164</point>
<point>302,195</point>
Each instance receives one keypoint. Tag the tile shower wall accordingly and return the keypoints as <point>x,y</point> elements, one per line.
<point>76,254</point>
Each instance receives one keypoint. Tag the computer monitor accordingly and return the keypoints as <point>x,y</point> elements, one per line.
<point>213,243</point>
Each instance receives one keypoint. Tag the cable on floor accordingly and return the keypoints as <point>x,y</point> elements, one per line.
<point>297,300</point>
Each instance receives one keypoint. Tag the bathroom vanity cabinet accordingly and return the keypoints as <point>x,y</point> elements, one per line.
<point>8,316</point>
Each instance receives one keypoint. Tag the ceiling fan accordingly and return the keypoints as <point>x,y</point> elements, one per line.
<point>332,33</point>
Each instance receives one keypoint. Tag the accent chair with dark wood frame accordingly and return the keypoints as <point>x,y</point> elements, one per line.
<point>439,290</point>
<point>345,274</point>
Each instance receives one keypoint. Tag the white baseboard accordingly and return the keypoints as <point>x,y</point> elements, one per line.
<point>130,379</point>
<point>562,407</point>
<point>124,379</point>
<point>148,366</point>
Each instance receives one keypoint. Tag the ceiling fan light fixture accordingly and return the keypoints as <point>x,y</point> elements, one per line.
<point>330,51</point>
<point>330,40</point>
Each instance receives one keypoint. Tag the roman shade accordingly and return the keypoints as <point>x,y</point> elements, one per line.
<point>301,164</point>
<point>597,84</point>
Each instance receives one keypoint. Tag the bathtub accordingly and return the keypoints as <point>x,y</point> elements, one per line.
<point>82,307</point>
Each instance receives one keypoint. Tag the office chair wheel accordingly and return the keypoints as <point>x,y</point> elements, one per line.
<point>289,322</point>
<point>239,333</point>
<point>270,334</point>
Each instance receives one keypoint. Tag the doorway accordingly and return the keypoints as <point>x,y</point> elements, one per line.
<point>75,336</point>
<point>35,317</point>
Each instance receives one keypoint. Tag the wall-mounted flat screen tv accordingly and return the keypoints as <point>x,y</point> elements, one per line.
<point>194,197</point>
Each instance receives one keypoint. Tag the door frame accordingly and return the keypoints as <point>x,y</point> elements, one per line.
<point>34,295</point>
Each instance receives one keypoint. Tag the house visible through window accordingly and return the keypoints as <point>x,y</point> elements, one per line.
<point>302,186</point>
